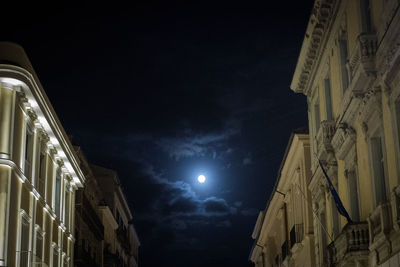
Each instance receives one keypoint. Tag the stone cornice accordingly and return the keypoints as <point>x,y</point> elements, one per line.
<point>46,115</point>
<point>316,35</point>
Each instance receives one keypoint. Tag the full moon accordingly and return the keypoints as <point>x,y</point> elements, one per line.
<point>201,178</point>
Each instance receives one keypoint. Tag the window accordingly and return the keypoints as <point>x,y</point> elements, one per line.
<point>66,207</point>
<point>365,8</point>
<point>24,240</point>
<point>41,181</point>
<point>378,168</point>
<point>335,218</point>
<point>55,256</point>
<point>28,152</point>
<point>397,110</point>
<point>328,99</point>
<point>57,196</point>
<point>317,119</point>
<point>38,252</point>
<point>352,186</point>
<point>323,237</point>
<point>66,261</point>
<point>343,61</point>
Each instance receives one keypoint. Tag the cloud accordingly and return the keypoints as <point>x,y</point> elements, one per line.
<point>179,225</point>
<point>248,159</point>
<point>177,198</point>
<point>193,144</point>
<point>182,205</point>
<point>216,205</point>
<point>238,204</point>
<point>226,223</point>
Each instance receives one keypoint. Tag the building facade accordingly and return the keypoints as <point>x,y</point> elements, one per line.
<point>284,232</point>
<point>121,240</point>
<point>39,170</point>
<point>348,68</point>
<point>89,229</point>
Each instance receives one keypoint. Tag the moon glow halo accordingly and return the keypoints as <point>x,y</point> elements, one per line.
<point>201,178</point>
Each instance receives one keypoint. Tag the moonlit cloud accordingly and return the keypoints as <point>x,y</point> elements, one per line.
<point>192,144</point>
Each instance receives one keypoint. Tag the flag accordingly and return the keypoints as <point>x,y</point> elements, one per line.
<point>335,195</point>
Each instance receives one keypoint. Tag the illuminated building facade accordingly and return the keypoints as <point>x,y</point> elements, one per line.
<point>283,232</point>
<point>39,170</point>
<point>348,68</point>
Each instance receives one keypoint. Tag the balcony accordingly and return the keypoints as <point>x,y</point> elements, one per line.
<point>380,227</point>
<point>111,259</point>
<point>343,141</point>
<point>362,62</point>
<point>122,236</point>
<point>89,215</point>
<point>296,236</point>
<point>324,138</point>
<point>83,258</point>
<point>352,243</point>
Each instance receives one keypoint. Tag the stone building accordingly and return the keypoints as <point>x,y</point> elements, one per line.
<point>348,68</point>
<point>39,170</point>
<point>89,229</point>
<point>121,242</point>
<point>283,232</point>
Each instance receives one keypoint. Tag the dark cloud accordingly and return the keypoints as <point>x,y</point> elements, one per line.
<point>191,144</point>
<point>225,223</point>
<point>183,205</point>
<point>215,205</point>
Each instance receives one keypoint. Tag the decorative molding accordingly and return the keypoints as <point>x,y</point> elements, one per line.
<point>32,115</point>
<point>324,137</point>
<point>343,140</point>
<point>318,25</point>
<point>371,103</point>
<point>363,57</point>
<point>24,79</point>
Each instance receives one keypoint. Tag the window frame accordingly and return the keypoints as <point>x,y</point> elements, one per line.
<point>38,233</point>
<point>378,134</point>
<point>42,169</point>
<point>24,220</point>
<point>55,248</point>
<point>29,148</point>
<point>343,46</point>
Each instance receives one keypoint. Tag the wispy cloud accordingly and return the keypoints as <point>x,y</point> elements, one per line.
<point>194,144</point>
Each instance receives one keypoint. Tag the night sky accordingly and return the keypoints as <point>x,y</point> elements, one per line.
<point>164,91</point>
